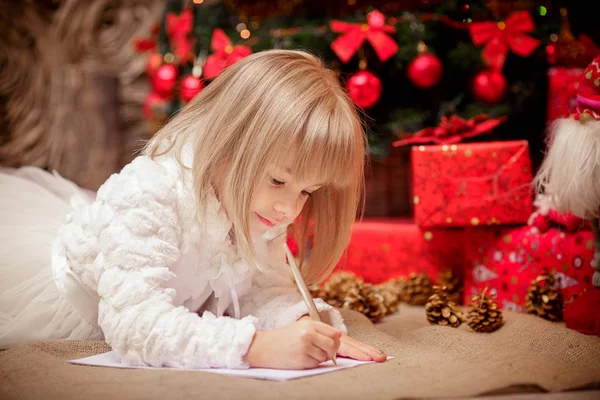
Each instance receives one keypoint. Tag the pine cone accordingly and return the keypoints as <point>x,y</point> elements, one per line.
<point>342,282</point>
<point>485,314</point>
<point>441,311</point>
<point>417,289</point>
<point>365,299</point>
<point>338,286</point>
<point>396,287</point>
<point>390,294</point>
<point>454,285</point>
<point>318,291</point>
<point>544,298</point>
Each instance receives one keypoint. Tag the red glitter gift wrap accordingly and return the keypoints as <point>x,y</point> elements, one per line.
<point>381,249</point>
<point>472,184</point>
<point>506,260</point>
<point>562,91</point>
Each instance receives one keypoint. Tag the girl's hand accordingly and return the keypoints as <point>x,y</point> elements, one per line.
<point>350,347</point>
<point>301,345</point>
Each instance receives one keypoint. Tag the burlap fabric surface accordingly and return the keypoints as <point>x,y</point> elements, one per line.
<point>527,355</point>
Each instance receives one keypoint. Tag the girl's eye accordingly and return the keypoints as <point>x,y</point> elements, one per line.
<point>306,193</point>
<point>277,182</point>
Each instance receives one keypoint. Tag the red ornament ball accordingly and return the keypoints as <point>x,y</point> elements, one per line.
<point>489,86</point>
<point>376,19</point>
<point>425,70</point>
<point>164,79</point>
<point>189,87</point>
<point>364,89</point>
<point>551,53</point>
<point>153,104</point>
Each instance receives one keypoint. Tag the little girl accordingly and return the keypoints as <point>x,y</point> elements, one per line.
<point>178,259</point>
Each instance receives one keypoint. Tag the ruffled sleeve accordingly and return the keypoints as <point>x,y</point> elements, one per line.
<point>141,238</point>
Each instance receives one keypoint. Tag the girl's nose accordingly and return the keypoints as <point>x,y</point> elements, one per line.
<point>285,206</point>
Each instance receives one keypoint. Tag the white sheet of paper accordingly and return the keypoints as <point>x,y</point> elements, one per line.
<point>109,360</point>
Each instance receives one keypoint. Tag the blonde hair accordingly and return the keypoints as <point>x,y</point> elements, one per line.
<point>570,172</point>
<point>250,116</point>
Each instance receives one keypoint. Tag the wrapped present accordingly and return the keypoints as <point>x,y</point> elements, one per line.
<point>382,249</point>
<point>563,83</point>
<point>472,184</point>
<point>507,260</point>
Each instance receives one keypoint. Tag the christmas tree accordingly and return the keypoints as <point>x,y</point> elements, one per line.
<point>471,67</point>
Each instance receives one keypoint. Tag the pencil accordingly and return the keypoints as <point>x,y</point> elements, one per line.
<point>312,309</point>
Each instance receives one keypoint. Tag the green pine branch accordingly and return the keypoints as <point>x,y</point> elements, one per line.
<point>402,108</point>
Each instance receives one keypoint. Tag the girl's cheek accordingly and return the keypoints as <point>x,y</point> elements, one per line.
<point>301,203</point>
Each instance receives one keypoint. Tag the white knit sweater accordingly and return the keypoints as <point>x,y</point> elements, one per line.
<point>158,284</point>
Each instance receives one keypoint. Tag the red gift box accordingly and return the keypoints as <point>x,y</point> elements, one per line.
<point>381,249</point>
<point>472,184</point>
<point>506,261</point>
<point>562,91</point>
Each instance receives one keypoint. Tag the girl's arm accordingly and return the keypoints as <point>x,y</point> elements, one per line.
<point>140,239</point>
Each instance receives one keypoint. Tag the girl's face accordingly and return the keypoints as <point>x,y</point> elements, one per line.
<point>279,199</point>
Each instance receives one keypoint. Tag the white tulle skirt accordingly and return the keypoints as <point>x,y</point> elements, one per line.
<point>33,206</point>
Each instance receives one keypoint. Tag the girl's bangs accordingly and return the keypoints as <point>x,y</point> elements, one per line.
<point>325,152</point>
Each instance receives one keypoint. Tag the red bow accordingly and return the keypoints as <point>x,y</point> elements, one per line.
<point>501,36</point>
<point>354,35</point>
<point>224,54</point>
<point>146,44</point>
<point>453,130</point>
<point>178,28</point>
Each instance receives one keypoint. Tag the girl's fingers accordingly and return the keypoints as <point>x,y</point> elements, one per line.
<point>371,351</point>
<point>318,354</point>
<point>327,344</point>
<point>349,350</point>
<point>330,332</point>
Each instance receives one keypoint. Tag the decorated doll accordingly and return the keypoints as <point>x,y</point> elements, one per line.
<point>570,176</point>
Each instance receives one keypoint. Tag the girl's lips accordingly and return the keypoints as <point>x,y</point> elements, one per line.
<point>265,221</point>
